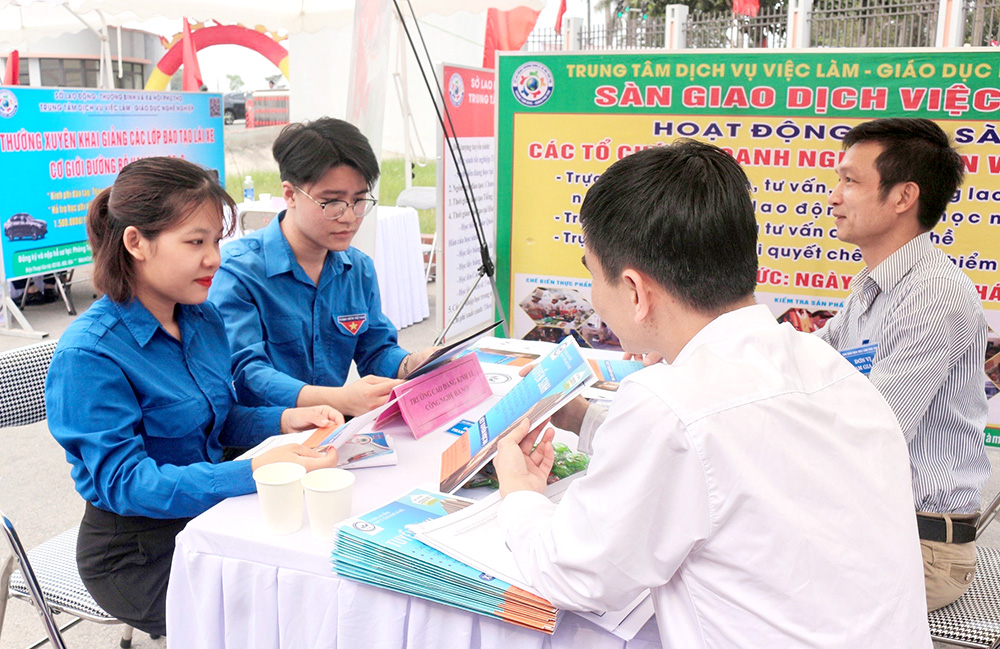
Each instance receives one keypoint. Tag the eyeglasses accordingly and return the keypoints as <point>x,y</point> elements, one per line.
<point>336,208</point>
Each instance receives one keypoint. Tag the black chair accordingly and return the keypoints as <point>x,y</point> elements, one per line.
<point>973,620</point>
<point>47,576</point>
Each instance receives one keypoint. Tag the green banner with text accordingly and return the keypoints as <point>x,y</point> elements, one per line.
<point>564,118</point>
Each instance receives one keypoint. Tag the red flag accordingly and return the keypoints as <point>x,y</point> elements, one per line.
<point>562,10</point>
<point>746,7</point>
<point>192,71</point>
<point>507,30</point>
<point>12,71</point>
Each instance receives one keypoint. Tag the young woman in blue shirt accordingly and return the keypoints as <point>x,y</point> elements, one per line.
<point>140,394</point>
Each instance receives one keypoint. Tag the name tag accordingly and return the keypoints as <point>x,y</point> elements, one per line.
<point>861,357</point>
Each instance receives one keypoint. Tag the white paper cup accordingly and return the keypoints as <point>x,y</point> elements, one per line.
<point>279,487</point>
<point>328,500</point>
<point>265,198</point>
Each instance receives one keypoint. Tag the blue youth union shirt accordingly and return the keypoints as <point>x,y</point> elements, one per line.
<point>143,416</point>
<point>285,332</point>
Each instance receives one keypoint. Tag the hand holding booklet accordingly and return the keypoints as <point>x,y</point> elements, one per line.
<point>357,444</point>
<point>555,380</point>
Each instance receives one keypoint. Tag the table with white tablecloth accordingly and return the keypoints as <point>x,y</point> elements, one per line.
<point>399,263</point>
<point>235,586</point>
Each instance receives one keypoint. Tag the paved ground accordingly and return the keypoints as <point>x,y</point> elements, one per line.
<point>37,494</point>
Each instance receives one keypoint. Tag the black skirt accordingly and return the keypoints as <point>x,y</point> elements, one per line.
<point>124,562</point>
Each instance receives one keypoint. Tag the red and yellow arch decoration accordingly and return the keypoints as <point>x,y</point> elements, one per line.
<point>257,40</point>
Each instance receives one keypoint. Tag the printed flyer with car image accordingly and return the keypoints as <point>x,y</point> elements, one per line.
<point>61,146</point>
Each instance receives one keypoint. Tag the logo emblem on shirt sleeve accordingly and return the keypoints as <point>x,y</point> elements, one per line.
<point>352,323</point>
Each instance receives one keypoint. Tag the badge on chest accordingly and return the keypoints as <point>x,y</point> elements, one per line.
<point>352,323</point>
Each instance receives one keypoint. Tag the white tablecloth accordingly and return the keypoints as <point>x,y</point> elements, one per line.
<point>399,262</point>
<point>233,585</point>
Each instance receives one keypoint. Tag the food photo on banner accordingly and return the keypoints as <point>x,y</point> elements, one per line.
<point>564,118</point>
<point>60,147</point>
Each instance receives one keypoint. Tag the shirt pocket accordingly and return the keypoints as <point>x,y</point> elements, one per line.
<point>177,432</point>
<point>175,420</point>
<point>282,331</point>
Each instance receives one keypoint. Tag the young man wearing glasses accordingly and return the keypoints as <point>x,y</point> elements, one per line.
<point>299,302</point>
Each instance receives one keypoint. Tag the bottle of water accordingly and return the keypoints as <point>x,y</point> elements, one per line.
<point>248,193</point>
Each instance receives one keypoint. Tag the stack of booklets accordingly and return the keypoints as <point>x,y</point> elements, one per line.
<point>377,548</point>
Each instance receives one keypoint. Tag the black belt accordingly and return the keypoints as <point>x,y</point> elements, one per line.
<point>932,528</point>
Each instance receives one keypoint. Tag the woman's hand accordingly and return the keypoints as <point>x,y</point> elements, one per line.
<point>297,454</point>
<point>294,420</point>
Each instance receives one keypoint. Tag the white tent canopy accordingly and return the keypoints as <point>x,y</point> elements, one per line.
<point>26,21</point>
<point>293,15</point>
<point>23,22</point>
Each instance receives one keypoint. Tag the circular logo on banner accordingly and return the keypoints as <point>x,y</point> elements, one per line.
<point>456,89</point>
<point>532,84</point>
<point>8,103</point>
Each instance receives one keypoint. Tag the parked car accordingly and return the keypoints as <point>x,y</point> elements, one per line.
<point>234,106</point>
<point>24,226</point>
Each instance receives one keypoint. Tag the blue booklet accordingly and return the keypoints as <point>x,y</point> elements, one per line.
<point>552,383</point>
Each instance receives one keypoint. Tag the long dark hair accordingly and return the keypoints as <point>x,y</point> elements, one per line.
<point>152,195</point>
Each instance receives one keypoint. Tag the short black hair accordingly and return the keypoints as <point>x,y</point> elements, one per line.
<point>681,214</point>
<point>914,150</point>
<point>307,150</point>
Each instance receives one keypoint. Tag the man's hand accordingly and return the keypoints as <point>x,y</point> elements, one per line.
<point>365,394</point>
<point>294,420</point>
<point>520,467</point>
<point>651,358</point>
<point>413,360</point>
<point>570,416</point>
<point>297,454</point>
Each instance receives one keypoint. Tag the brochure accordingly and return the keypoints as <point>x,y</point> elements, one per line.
<point>611,372</point>
<point>555,380</point>
<point>356,452</point>
<point>452,350</point>
<point>337,436</point>
<point>371,449</point>
<point>377,548</point>
<point>473,536</point>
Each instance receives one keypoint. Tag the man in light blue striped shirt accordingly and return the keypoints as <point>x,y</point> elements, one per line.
<point>925,316</point>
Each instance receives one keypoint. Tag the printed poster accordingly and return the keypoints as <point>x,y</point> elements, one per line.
<point>60,147</point>
<point>564,118</point>
<point>470,97</point>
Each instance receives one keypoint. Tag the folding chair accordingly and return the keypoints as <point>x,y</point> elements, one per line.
<point>47,576</point>
<point>422,198</point>
<point>973,620</point>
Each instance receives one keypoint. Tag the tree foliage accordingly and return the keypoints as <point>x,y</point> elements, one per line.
<point>235,82</point>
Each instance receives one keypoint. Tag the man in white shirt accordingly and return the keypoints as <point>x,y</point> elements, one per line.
<point>756,483</point>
